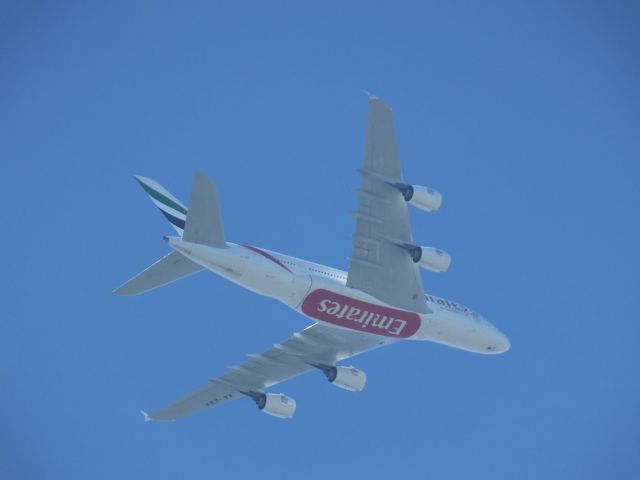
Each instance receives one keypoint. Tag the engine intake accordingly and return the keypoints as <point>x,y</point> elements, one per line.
<point>276,404</point>
<point>430,258</point>
<point>424,198</point>
<point>349,378</point>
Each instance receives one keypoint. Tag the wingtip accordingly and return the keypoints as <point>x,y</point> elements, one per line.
<point>146,416</point>
<point>370,95</point>
<point>121,291</point>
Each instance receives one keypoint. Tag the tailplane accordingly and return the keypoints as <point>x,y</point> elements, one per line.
<point>166,270</point>
<point>204,223</point>
<point>201,223</point>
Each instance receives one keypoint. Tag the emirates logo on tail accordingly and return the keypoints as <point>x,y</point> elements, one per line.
<point>355,314</point>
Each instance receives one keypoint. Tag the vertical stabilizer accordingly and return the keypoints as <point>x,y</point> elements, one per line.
<point>170,206</point>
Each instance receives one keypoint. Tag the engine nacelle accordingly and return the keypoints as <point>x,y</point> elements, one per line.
<point>276,404</point>
<point>424,198</point>
<point>430,258</point>
<point>349,378</point>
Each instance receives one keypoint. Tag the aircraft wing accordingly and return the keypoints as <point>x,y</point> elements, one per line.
<point>378,266</point>
<point>317,344</point>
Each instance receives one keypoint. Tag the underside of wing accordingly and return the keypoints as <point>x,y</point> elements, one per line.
<point>317,346</point>
<point>378,266</point>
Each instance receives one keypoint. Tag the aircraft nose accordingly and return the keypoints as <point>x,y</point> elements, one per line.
<point>499,343</point>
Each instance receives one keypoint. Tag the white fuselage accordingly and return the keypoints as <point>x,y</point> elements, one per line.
<point>321,293</point>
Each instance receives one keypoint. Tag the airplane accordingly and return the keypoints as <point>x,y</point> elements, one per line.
<point>377,302</point>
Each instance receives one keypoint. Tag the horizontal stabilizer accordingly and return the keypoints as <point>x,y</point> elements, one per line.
<point>204,222</point>
<point>166,270</point>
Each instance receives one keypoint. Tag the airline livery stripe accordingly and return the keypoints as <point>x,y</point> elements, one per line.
<point>162,199</point>
<point>169,210</point>
<point>176,221</point>
<point>266,255</point>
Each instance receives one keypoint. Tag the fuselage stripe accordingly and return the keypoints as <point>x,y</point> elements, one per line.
<point>267,255</point>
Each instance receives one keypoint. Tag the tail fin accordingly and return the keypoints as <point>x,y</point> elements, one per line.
<point>170,206</point>
<point>204,222</point>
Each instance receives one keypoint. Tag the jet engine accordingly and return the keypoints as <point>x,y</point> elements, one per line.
<point>349,378</point>
<point>276,404</point>
<point>424,198</point>
<point>430,258</point>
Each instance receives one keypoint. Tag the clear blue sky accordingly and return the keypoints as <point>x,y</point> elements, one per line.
<point>524,114</point>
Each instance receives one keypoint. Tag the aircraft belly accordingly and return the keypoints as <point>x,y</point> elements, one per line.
<point>349,310</point>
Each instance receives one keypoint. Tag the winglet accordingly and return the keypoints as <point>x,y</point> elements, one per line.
<point>146,416</point>
<point>371,95</point>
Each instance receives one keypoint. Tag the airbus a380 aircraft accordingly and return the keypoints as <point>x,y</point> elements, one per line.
<point>377,302</point>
